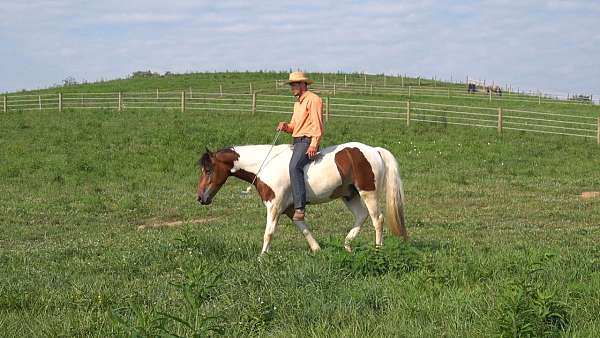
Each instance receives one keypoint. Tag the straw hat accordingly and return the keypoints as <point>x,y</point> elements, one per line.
<point>298,77</point>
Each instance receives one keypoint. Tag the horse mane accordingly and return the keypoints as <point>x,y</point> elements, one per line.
<point>206,163</point>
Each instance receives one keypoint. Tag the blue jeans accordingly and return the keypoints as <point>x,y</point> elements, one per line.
<point>297,163</point>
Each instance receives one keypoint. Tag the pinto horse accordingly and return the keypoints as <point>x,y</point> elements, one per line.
<point>354,172</point>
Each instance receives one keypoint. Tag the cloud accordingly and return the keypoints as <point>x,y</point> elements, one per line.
<point>139,18</point>
<point>550,45</point>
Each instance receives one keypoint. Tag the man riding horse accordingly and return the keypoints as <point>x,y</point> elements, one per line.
<point>354,172</point>
<point>306,127</point>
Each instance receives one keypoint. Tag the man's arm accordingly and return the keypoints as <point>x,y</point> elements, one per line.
<point>316,116</point>
<point>287,127</point>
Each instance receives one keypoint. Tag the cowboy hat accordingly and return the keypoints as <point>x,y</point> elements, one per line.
<point>298,77</point>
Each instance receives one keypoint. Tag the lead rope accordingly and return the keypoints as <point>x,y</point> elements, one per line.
<point>263,161</point>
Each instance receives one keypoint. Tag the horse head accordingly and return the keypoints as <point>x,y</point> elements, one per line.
<point>215,169</point>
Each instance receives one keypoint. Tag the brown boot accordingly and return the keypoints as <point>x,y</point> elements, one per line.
<point>298,215</point>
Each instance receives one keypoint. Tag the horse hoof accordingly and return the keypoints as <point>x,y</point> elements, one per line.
<point>348,248</point>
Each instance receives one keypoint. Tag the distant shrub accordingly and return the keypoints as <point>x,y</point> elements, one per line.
<point>70,81</point>
<point>143,74</point>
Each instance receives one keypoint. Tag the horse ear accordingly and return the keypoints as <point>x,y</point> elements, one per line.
<point>209,152</point>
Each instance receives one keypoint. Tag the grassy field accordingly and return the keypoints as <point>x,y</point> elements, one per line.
<point>501,244</point>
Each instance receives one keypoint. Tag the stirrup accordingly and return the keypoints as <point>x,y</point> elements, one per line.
<point>298,215</point>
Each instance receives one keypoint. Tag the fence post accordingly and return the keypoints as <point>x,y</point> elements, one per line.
<point>345,80</point>
<point>419,78</point>
<point>40,101</point>
<point>251,91</point>
<point>384,80</point>
<point>402,80</point>
<point>490,94</point>
<point>598,131</point>
<point>448,92</point>
<point>408,113</point>
<point>120,102</point>
<point>408,91</point>
<point>183,101</point>
<point>60,102</point>
<point>4,103</point>
<point>157,93</point>
<point>539,98</point>
<point>499,120</point>
<point>334,88</point>
<point>191,95</point>
<point>253,103</point>
<point>326,108</point>
<point>221,89</point>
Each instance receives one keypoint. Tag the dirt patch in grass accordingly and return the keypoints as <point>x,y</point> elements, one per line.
<point>155,224</point>
<point>590,194</point>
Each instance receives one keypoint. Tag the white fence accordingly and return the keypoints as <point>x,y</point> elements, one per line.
<point>334,107</point>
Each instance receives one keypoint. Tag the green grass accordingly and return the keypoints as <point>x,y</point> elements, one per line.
<point>500,242</point>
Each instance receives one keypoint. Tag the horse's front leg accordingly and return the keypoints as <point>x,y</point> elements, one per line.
<point>303,227</point>
<point>272,219</point>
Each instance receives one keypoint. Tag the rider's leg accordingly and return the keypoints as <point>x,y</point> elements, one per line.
<point>297,163</point>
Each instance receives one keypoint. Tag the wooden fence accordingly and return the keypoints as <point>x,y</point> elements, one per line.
<point>334,107</point>
<point>333,88</point>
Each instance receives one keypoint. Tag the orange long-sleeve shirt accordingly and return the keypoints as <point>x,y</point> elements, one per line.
<point>307,119</point>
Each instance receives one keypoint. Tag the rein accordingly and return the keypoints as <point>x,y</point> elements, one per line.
<point>263,161</point>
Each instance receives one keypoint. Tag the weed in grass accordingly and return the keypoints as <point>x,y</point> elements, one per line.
<point>366,260</point>
<point>189,319</point>
<point>529,309</point>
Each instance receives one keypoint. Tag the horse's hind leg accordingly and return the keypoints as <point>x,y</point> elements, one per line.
<point>370,199</point>
<point>360,213</point>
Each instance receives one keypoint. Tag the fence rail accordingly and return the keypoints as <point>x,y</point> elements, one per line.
<point>334,107</point>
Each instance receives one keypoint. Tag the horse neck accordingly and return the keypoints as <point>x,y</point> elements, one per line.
<point>251,157</point>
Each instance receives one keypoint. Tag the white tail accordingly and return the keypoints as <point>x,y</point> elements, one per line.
<point>394,194</point>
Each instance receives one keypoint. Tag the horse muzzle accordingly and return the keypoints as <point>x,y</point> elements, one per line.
<point>205,198</point>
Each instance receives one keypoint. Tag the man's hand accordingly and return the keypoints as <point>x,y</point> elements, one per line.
<point>312,152</point>
<point>283,126</point>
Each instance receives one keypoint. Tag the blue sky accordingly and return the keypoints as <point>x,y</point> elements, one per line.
<point>553,46</point>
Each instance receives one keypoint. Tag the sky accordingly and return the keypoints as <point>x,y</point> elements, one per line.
<point>552,46</point>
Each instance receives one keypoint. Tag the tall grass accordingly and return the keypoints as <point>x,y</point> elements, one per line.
<point>500,243</point>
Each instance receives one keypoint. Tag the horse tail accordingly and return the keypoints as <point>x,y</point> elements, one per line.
<point>394,194</point>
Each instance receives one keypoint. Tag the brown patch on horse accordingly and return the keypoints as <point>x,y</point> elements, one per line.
<point>216,169</point>
<point>219,164</point>
<point>225,159</point>
<point>354,169</point>
<point>265,192</point>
